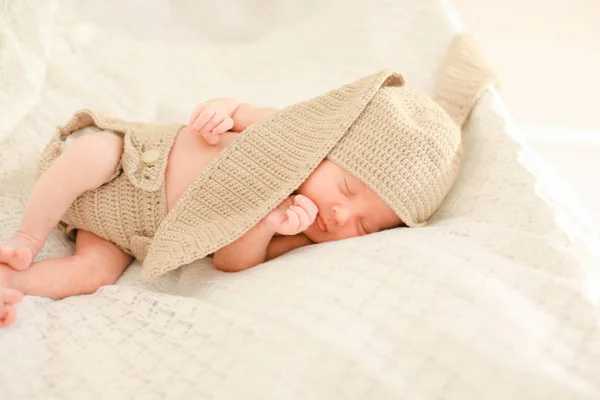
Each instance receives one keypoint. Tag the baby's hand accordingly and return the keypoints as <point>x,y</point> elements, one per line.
<point>292,216</point>
<point>210,121</point>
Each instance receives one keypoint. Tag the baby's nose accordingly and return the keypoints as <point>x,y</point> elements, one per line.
<point>341,215</point>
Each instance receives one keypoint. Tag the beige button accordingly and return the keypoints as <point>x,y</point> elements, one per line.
<point>150,156</point>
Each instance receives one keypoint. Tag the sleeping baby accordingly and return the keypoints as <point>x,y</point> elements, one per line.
<point>241,183</point>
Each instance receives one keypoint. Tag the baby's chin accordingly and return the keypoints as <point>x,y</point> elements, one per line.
<point>315,235</point>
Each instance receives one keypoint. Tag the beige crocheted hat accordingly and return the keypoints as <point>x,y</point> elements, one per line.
<point>406,149</point>
<point>405,146</point>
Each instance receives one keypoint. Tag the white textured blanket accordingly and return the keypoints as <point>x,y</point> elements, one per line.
<point>490,301</point>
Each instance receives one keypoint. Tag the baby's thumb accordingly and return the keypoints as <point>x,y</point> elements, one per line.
<point>212,138</point>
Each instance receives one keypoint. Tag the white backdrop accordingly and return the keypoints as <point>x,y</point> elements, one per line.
<point>488,301</point>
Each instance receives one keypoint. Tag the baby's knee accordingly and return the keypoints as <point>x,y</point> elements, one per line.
<point>97,156</point>
<point>103,147</point>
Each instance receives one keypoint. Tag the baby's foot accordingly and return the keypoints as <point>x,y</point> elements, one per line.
<point>8,298</point>
<point>19,251</point>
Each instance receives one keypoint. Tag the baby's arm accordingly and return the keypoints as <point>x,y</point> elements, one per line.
<point>261,244</point>
<point>214,117</point>
<point>246,252</point>
<point>282,244</point>
<point>255,247</point>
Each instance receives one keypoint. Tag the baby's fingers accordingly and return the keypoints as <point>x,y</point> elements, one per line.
<point>223,127</point>
<point>213,136</point>
<point>215,121</point>
<point>196,113</point>
<point>10,296</point>
<point>303,218</point>
<point>206,115</point>
<point>308,205</point>
<point>291,224</point>
<point>9,315</point>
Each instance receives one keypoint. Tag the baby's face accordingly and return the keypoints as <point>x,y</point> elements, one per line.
<point>347,206</point>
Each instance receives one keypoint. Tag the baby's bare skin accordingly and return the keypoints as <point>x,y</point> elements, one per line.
<point>19,250</point>
<point>188,157</point>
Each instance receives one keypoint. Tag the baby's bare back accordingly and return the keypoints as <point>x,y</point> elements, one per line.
<point>188,157</point>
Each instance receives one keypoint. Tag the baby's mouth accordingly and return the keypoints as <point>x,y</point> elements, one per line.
<point>321,224</point>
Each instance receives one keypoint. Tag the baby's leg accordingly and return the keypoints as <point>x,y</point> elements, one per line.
<point>88,163</point>
<point>96,263</point>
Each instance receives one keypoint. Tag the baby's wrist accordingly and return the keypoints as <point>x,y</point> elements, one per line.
<point>235,110</point>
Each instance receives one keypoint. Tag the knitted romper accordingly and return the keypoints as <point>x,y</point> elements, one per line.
<point>127,209</point>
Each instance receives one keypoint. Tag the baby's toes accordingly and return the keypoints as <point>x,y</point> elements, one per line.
<point>8,314</point>
<point>10,296</point>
